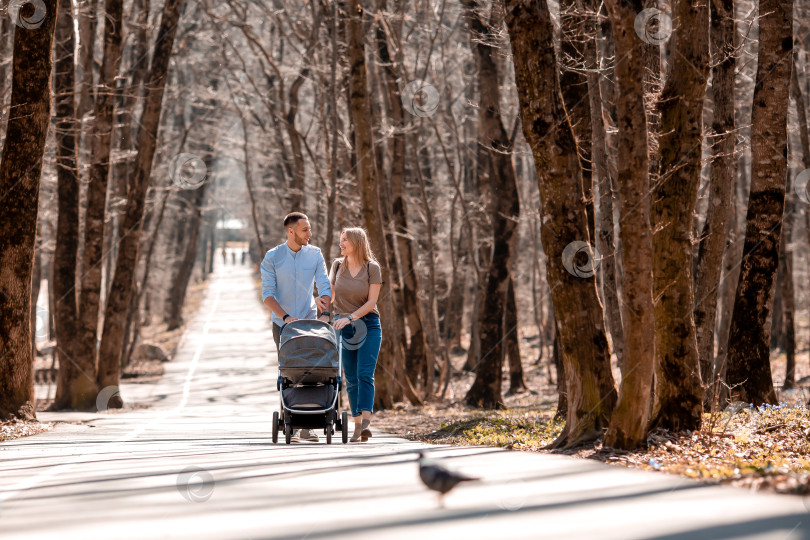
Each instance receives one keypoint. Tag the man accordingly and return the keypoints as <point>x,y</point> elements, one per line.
<point>289,271</point>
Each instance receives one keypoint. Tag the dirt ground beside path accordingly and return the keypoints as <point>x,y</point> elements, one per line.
<point>757,448</point>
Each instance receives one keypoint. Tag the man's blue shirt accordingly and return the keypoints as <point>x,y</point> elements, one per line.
<point>288,277</point>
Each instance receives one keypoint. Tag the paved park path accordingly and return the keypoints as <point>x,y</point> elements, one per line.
<point>199,463</point>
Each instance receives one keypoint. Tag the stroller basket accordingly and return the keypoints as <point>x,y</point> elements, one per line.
<point>309,397</point>
<point>308,352</point>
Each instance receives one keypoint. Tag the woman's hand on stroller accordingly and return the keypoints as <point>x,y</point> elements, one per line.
<point>339,324</point>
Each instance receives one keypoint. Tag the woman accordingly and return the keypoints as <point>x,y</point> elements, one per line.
<point>356,282</point>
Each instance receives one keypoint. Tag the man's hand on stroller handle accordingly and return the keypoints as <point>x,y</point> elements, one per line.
<point>323,302</point>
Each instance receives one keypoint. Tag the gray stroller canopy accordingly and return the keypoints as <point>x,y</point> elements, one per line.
<point>308,352</point>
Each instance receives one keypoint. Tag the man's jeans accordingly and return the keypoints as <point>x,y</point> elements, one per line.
<point>360,343</point>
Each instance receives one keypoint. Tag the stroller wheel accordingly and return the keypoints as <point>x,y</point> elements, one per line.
<point>344,424</point>
<point>275,427</point>
<point>288,433</point>
<point>329,431</point>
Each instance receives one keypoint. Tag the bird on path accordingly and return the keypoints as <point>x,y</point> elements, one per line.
<point>438,478</point>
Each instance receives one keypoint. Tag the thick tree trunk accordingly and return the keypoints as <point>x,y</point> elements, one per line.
<point>749,367</point>
<point>76,386</point>
<point>129,240</point>
<point>721,194</point>
<point>497,171</point>
<point>589,381</point>
<point>629,424</point>
<point>100,141</point>
<point>578,54</point>
<point>20,170</point>
<point>678,389</point>
<point>360,114</point>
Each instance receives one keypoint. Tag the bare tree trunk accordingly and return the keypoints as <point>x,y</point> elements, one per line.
<point>721,194</point>
<point>129,245</point>
<point>86,62</point>
<point>788,297</point>
<point>630,421</point>
<point>562,395</point>
<point>497,170</point>
<point>249,184</point>
<point>418,357</point>
<point>20,170</point>
<point>96,195</point>
<point>605,227</point>
<point>678,388</point>
<point>177,294</point>
<point>36,283</point>
<point>360,114</point>
<point>578,54</point>
<point>749,367</point>
<point>298,202</point>
<point>517,382</point>
<point>76,386</point>
<point>589,381</point>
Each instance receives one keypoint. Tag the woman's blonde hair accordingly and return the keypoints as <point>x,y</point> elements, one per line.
<point>358,237</point>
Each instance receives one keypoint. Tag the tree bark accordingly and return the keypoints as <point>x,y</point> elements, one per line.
<point>605,227</point>
<point>749,367</point>
<point>497,171</point>
<point>86,61</point>
<point>129,239</point>
<point>721,194</point>
<point>20,170</point>
<point>517,381</point>
<point>629,423</point>
<point>419,356</point>
<point>96,194</point>
<point>177,295</point>
<point>360,114</point>
<point>788,299</point>
<point>678,388</point>
<point>590,385</point>
<point>76,386</point>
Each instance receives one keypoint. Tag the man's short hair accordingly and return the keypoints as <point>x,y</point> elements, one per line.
<point>291,219</point>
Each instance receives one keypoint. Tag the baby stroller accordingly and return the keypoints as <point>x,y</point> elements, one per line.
<point>309,367</point>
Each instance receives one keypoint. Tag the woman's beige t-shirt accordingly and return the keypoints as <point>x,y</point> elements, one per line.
<point>350,292</point>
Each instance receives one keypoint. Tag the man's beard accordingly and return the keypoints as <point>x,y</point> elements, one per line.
<point>301,240</point>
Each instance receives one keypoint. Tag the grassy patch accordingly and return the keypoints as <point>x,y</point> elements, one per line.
<point>507,428</point>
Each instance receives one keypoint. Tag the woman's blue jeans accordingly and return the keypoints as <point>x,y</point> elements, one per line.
<point>360,346</point>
